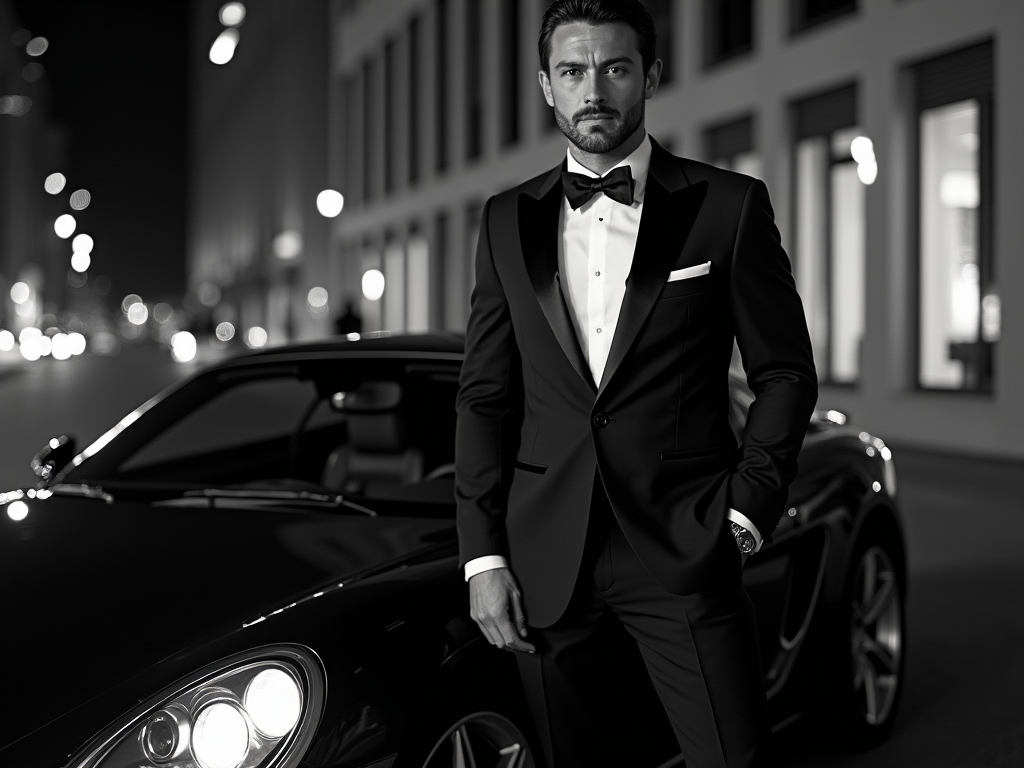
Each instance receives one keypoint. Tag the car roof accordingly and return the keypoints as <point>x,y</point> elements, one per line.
<point>379,341</point>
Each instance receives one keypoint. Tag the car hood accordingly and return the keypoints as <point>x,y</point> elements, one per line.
<point>93,593</point>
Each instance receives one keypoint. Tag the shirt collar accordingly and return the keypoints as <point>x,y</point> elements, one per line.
<point>639,162</point>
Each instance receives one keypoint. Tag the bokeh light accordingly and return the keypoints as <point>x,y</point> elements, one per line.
<point>37,46</point>
<point>29,335</point>
<point>20,292</point>
<point>223,48</point>
<point>80,261</point>
<point>77,279</point>
<point>80,199</point>
<point>183,346</point>
<point>76,342</point>
<point>225,331</point>
<point>317,297</point>
<point>163,312</point>
<point>30,351</point>
<point>232,14</point>
<point>209,294</point>
<point>15,106</point>
<point>862,149</point>
<point>82,243</point>
<point>105,343</point>
<point>256,337</point>
<point>33,72</point>
<point>55,183</point>
<point>373,284</point>
<point>45,345</point>
<point>137,313</point>
<point>330,202</point>
<point>6,341</point>
<point>61,346</point>
<point>288,244</point>
<point>127,301</point>
<point>64,226</point>
<point>17,510</point>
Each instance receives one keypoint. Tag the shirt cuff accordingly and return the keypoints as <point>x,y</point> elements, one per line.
<point>740,519</point>
<point>485,563</point>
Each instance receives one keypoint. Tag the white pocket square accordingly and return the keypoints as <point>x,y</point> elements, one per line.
<point>694,271</point>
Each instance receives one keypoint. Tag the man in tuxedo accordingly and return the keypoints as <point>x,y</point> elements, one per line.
<point>597,477</point>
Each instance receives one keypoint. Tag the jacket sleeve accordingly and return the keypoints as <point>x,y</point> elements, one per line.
<point>485,404</point>
<point>771,332</point>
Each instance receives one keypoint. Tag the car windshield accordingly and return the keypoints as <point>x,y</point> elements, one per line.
<point>379,432</point>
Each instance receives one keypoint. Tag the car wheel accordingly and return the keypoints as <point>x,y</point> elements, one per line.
<point>876,644</point>
<point>481,740</point>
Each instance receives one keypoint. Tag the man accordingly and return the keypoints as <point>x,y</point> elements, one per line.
<point>598,480</point>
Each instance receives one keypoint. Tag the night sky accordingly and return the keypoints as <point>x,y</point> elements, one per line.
<point>118,76</point>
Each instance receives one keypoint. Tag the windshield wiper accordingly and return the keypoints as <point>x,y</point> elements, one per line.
<point>81,489</point>
<point>255,494</point>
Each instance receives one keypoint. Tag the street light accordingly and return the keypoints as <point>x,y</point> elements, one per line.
<point>330,202</point>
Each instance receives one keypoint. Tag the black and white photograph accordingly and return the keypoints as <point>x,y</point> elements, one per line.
<point>511,383</point>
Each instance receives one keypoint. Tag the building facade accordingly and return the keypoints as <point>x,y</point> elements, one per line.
<point>886,130</point>
<point>258,157</point>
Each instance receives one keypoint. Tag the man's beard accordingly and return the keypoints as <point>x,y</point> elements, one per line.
<point>599,143</point>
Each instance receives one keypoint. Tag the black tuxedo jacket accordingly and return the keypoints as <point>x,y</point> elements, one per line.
<point>533,426</point>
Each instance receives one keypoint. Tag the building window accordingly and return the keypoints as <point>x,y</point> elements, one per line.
<point>661,12</point>
<point>353,141</point>
<point>830,231</point>
<point>959,312</point>
<point>805,14</point>
<point>728,29</point>
<point>441,86</point>
<point>414,99</point>
<point>509,101</point>
<point>474,94</point>
<point>389,115</point>
<point>369,127</point>
<point>394,286</point>
<point>731,146</point>
<point>418,280</point>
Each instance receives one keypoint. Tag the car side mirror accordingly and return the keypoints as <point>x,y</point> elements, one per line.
<point>54,457</point>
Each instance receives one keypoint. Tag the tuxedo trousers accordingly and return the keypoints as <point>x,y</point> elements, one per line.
<point>627,655</point>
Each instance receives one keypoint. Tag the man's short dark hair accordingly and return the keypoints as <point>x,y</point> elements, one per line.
<point>631,12</point>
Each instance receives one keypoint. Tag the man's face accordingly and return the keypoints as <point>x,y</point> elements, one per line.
<point>597,85</point>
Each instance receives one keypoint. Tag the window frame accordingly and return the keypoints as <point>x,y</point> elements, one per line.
<point>986,207</point>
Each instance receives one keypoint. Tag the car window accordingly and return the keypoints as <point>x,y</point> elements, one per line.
<point>249,412</point>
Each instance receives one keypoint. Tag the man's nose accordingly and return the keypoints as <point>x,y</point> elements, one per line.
<point>594,93</point>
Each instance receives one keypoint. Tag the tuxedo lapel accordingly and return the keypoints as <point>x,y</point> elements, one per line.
<point>538,236</point>
<point>671,205</point>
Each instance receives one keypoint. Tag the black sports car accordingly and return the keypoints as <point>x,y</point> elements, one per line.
<point>257,567</point>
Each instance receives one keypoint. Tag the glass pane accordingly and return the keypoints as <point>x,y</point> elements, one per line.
<point>949,278</point>
<point>812,159</point>
<point>847,273</point>
<point>250,412</point>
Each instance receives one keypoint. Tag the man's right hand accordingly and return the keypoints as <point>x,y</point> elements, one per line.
<point>496,606</point>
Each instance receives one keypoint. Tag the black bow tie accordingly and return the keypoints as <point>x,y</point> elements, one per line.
<point>616,184</point>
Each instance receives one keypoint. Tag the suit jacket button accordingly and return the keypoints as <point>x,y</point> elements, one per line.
<point>600,420</point>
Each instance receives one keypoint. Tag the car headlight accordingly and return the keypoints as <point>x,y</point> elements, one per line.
<point>255,710</point>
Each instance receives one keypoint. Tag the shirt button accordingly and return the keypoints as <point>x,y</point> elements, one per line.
<point>598,330</point>
<point>600,219</point>
<point>597,274</point>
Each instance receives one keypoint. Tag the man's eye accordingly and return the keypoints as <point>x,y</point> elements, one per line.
<point>571,72</point>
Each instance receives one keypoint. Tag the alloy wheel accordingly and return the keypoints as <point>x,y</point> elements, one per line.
<point>481,740</point>
<point>876,635</point>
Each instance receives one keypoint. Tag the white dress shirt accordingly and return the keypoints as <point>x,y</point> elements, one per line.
<point>595,254</point>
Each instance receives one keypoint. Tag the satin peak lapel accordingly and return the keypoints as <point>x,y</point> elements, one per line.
<point>538,236</point>
<point>666,222</point>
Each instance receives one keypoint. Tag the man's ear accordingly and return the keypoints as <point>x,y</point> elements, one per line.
<point>545,86</point>
<point>652,79</point>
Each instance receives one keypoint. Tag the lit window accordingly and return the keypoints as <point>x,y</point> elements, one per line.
<point>959,308</point>
<point>830,230</point>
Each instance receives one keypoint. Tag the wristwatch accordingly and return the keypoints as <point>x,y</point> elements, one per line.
<point>744,538</point>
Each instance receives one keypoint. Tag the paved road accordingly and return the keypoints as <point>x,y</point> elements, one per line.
<point>964,694</point>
